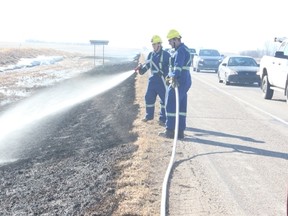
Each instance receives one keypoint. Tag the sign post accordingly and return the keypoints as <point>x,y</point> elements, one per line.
<point>98,42</point>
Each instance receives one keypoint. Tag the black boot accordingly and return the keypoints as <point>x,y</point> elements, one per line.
<point>167,134</point>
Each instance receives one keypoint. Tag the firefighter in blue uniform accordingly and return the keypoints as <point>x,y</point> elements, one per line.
<point>158,63</point>
<point>178,76</point>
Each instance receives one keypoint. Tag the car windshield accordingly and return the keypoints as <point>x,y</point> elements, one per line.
<point>208,52</point>
<point>242,61</point>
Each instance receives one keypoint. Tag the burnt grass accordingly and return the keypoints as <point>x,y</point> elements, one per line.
<point>69,162</point>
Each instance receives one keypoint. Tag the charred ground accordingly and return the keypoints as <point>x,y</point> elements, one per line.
<point>96,158</point>
<point>68,165</point>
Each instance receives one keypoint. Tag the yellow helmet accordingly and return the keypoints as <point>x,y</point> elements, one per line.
<point>156,39</point>
<point>173,34</point>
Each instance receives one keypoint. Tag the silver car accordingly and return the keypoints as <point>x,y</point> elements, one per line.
<point>239,69</point>
<point>207,59</point>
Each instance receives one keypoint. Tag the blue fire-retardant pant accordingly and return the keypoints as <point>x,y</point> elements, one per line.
<point>155,87</point>
<point>171,108</point>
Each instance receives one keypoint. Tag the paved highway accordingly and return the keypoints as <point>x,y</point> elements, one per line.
<point>234,159</point>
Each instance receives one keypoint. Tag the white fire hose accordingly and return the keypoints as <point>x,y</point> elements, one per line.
<point>165,182</point>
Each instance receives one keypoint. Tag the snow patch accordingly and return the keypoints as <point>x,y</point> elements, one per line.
<point>32,62</point>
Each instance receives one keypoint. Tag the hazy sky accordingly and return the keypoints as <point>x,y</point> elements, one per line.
<point>227,25</point>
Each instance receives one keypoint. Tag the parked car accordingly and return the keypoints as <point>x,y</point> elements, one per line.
<point>239,69</point>
<point>207,59</point>
<point>192,52</point>
<point>171,51</point>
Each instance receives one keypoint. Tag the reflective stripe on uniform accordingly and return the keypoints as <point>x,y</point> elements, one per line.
<point>174,114</point>
<point>182,113</point>
<point>183,68</point>
<point>155,66</point>
<point>150,105</point>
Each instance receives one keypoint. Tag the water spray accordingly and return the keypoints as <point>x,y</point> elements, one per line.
<point>51,101</point>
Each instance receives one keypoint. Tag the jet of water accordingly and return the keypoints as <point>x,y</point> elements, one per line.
<point>53,100</point>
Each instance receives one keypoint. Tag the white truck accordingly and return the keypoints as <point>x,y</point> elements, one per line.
<point>273,71</point>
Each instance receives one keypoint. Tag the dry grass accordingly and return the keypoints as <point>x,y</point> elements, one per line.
<point>141,180</point>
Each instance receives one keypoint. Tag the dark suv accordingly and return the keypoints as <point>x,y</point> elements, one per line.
<point>207,59</point>
<point>192,52</point>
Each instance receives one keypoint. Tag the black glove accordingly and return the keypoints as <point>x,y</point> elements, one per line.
<point>174,82</point>
<point>138,68</point>
<point>171,81</point>
<point>167,80</point>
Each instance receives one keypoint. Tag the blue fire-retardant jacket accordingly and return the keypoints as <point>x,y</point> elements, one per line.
<point>181,64</point>
<point>158,63</point>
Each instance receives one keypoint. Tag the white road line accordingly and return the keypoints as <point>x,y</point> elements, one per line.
<point>245,102</point>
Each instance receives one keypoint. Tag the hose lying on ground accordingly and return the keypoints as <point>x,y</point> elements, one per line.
<point>164,186</point>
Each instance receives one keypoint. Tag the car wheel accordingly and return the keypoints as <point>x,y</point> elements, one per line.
<point>267,91</point>
<point>287,94</point>
<point>286,91</point>
<point>219,78</point>
<point>226,82</point>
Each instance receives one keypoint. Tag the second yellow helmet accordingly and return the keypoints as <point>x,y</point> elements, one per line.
<point>173,34</point>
